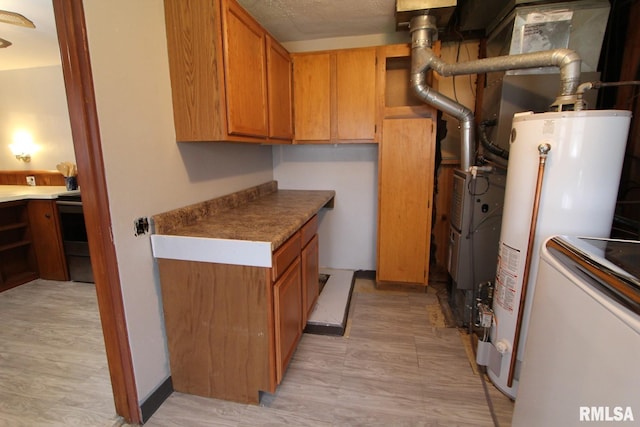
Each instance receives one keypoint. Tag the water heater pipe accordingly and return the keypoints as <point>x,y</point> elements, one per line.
<point>543,151</point>
<point>581,105</point>
<point>486,143</point>
<point>424,31</point>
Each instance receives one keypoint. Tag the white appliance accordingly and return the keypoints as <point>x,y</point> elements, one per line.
<point>577,197</point>
<point>583,347</point>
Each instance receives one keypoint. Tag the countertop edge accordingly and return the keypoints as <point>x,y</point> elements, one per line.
<point>166,222</point>
<point>173,241</point>
<point>203,249</point>
<point>24,192</point>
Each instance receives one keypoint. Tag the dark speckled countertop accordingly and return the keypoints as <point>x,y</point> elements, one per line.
<point>262,214</point>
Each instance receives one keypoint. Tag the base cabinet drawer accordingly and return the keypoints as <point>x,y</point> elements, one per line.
<point>285,255</point>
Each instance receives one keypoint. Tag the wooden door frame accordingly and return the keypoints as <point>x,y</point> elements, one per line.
<point>76,67</point>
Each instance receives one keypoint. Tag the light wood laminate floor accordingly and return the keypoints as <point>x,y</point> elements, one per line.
<point>53,367</point>
<point>397,365</point>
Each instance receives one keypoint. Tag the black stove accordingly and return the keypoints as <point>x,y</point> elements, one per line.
<point>74,237</point>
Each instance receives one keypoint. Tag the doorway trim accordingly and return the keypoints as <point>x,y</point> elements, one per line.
<point>78,78</point>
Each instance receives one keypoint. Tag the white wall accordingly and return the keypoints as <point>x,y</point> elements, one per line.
<point>34,100</point>
<point>348,42</point>
<point>347,232</point>
<point>147,172</point>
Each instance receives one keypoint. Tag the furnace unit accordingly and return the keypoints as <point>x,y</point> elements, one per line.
<point>476,215</point>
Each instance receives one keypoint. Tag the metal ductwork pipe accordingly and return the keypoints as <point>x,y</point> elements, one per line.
<point>424,31</point>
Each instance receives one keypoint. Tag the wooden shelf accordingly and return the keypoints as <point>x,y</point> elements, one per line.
<point>17,259</point>
<point>15,226</point>
<point>14,245</point>
<point>14,280</point>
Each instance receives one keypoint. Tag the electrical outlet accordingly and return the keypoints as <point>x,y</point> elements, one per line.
<point>141,226</point>
<point>31,180</point>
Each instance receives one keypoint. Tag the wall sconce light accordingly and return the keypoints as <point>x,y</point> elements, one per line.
<point>22,146</point>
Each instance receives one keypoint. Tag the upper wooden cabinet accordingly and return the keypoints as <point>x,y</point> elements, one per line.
<point>220,61</point>
<point>245,72</point>
<point>312,96</point>
<point>279,91</point>
<point>355,94</point>
<point>335,96</point>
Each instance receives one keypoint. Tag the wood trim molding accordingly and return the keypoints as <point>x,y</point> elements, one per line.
<point>76,67</point>
<point>43,178</point>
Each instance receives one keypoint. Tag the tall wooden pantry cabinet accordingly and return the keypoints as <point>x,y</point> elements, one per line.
<point>405,199</point>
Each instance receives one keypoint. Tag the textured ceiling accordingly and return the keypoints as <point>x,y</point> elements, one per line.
<point>287,20</point>
<point>296,20</point>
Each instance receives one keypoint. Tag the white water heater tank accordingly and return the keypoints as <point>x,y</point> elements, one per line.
<point>578,197</point>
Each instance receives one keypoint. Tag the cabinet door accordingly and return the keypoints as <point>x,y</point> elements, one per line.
<point>194,47</point>
<point>311,94</point>
<point>310,278</point>
<point>356,94</point>
<point>279,91</point>
<point>245,73</point>
<point>405,185</point>
<point>287,295</point>
<point>47,239</point>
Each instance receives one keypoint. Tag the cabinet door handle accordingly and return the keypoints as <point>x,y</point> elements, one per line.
<point>48,216</point>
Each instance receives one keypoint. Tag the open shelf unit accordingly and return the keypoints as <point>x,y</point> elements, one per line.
<point>17,258</point>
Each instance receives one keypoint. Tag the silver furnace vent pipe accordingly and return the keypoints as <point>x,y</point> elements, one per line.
<point>424,31</point>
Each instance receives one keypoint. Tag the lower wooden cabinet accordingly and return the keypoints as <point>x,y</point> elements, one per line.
<point>219,322</point>
<point>287,297</point>
<point>233,329</point>
<point>30,243</point>
<point>47,239</point>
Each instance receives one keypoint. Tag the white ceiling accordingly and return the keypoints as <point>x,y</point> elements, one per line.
<point>286,20</point>
<point>296,20</point>
<point>32,47</point>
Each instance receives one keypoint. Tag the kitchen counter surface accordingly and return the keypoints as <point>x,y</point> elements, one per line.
<point>9,193</point>
<point>241,228</point>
